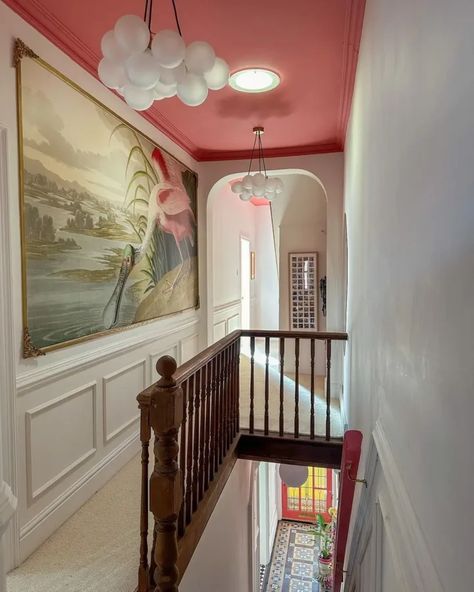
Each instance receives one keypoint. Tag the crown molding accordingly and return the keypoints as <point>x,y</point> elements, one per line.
<point>46,23</point>
<point>212,155</point>
<point>352,36</point>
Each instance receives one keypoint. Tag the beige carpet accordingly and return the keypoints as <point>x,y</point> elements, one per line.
<point>96,550</point>
<point>288,401</point>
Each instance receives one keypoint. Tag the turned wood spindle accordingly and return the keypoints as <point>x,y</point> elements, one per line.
<point>145,435</point>
<point>328,389</point>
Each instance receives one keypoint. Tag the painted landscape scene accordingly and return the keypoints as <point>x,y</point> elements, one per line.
<point>109,219</point>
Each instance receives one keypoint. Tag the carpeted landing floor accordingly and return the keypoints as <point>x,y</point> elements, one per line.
<point>96,550</point>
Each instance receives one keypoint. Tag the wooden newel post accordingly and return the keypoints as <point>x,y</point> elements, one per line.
<point>166,492</point>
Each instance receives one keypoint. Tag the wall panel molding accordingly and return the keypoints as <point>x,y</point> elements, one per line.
<point>386,494</point>
<point>187,342</point>
<point>114,377</point>
<point>7,359</point>
<point>39,377</point>
<point>409,540</point>
<point>34,532</point>
<point>34,493</point>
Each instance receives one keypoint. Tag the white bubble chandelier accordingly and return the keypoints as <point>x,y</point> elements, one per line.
<point>258,184</point>
<point>145,67</point>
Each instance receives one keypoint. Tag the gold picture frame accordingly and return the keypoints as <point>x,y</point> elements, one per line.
<point>106,216</point>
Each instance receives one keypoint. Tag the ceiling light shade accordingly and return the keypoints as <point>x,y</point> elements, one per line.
<point>293,475</point>
<point>258,184</point>
<point>254,80</point>
<point>160,64</point>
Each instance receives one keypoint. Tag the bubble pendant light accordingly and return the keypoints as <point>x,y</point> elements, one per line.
<point>258,184</point>
<point>145,67</point>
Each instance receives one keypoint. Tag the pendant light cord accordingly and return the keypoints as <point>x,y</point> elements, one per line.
<point>176,17</point>
<point>251,155</point>
<point>149,11</point>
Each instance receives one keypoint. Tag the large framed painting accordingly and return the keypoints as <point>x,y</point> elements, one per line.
<point>108,218</point>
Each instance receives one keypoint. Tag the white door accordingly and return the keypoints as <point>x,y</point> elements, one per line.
<point>245,283</point>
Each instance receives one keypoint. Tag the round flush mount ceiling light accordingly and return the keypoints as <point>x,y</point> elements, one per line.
<point>254,80</point>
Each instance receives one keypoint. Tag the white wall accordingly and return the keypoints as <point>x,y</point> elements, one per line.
<point>267,293</point>
<point>229,219</point>
<point>75,409</point>
<point>222,559</point>
<point>410,210</point>
<point>269,485</point>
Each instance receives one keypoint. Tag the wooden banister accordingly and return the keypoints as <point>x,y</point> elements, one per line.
<point>194,413</point>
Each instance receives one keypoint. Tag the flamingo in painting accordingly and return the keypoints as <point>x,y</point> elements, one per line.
<point>169,208</point>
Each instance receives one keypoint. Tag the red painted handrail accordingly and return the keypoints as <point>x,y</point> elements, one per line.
<point>349,466</point>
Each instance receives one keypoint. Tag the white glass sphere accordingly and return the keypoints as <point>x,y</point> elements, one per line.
<point>237,187</point>
<point>200,57</point>
<point>278,185</point>
<point>192,90</point>
<point>165,90</point>
<point>112,73</point>
<point>245,196</point>
<point>168,48</point>
<point>167,76</point>
<point>218,76</point>
<point>270,184</point>
<point>259,180</point>
<point>132,34</point>
<point>259,190</point>
<point>111,49</point>
<point>179,72</point>
<point>293,475</point>
<point>139,99</point>
<point>247,182</point>
<point>142,70</point>
<point>269,196</point>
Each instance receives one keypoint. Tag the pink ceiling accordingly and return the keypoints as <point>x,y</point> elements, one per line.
<point>312,44</point>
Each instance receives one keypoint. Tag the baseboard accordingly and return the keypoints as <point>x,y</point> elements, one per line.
<point>44,524</point>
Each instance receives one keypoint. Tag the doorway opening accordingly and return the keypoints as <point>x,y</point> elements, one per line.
<point>245,282</point>
<point>313,497</point>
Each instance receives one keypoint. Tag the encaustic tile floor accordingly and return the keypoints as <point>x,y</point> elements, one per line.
<point>294,559</point>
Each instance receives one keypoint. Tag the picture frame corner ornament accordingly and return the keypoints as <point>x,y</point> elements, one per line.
<point>21,50</point>
<point>29,349</point>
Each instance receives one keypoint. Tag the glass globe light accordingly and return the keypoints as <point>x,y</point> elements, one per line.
<point>237,187</point>
<point>259,180</point>
<point>112,73</point>
<point>269,196</point>
<point>247,182</point>
<point>293,475</point>
<point>270,184</point>
<point>259,190</point>
<point>111,49</point>
<point>132,34</point>
<point>165,90</point>
<point>245,196</point>
<point>200,57</point>
<point>278,185</point>
<point>167,76</point>
<point>218,76</point>
<point>142,70</point>
<point>192,90</point>
<point>168,48</point>
<point>139,99</point>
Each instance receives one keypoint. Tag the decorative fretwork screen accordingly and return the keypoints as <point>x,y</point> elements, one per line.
<point>303,291</point>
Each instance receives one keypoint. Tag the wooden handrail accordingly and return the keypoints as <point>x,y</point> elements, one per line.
<point>194,412</point>
<point>320,335</point>
<point>194,364</point>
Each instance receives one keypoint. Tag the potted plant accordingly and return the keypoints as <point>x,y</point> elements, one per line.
<point>324,531</point>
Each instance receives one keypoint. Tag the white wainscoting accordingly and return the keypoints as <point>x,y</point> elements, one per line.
<point>388,549</point>
<point>226,319</point>
<point>78,422</point>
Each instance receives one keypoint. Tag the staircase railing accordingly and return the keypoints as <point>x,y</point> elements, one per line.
<point>194,414</point>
